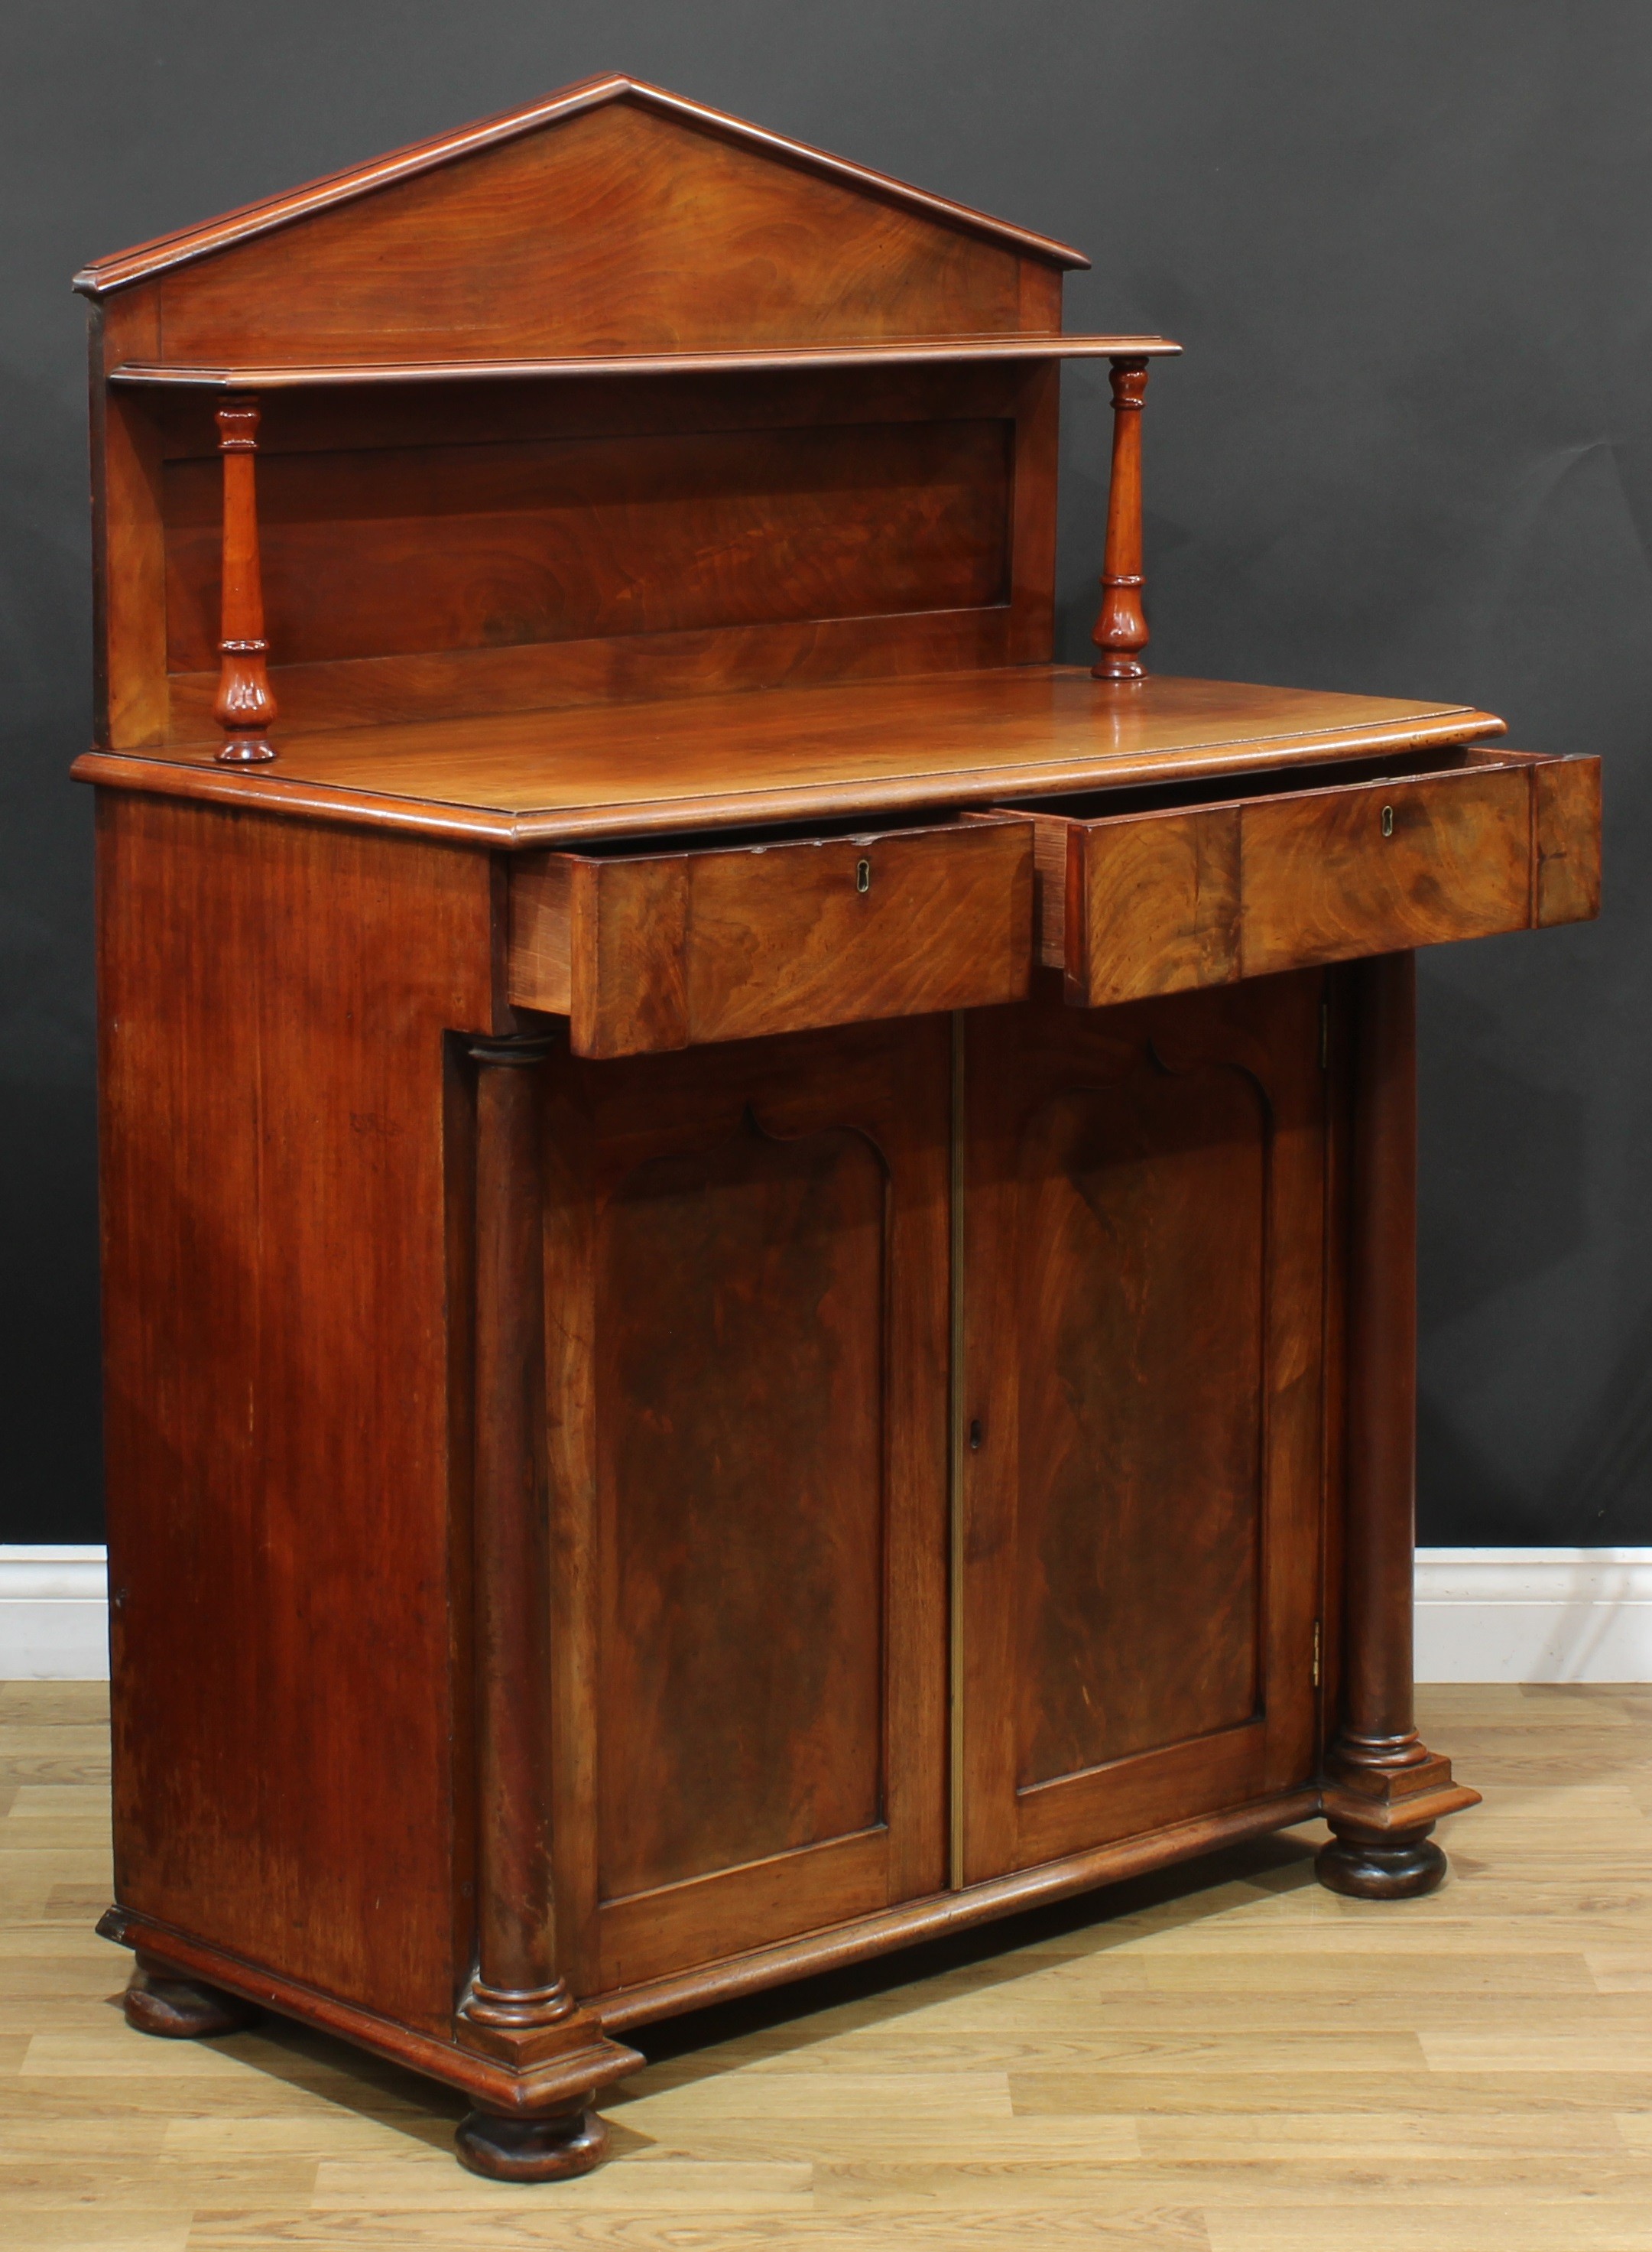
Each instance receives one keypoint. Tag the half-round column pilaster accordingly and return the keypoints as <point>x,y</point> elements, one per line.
<point>1385,1789</point>
<point>518,2008</point>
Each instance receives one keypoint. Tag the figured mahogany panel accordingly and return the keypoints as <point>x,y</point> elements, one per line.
<point>617,229</point>
<point>740,1314</point>
<point>650,951</point>
<point>396,552</point>
<point>284,1247</point>
<point>1143,1223</point>
<point>1143,1301</point>
<point>1385,865</point>
<point>746,1307</point>
<point>1145,891</point>
<point>456,549</point>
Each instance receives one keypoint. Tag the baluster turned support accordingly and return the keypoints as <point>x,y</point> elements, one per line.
<point>1121,629</point>
<point>244,706</point>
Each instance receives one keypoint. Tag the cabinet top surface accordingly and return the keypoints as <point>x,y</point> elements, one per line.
<point>526,778</point>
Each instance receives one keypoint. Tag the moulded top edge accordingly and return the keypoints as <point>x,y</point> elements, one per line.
<point>913,351</point>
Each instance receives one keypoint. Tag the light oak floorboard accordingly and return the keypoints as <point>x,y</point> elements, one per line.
<point>1219,2059</point>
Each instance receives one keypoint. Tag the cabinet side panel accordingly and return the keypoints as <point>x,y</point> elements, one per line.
<point>128,554</point>
<point>276,1278</point>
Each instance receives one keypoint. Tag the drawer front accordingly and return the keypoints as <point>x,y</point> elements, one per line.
<point>1159,902</point>
<point>1389,865</point>
<point>672,950</point>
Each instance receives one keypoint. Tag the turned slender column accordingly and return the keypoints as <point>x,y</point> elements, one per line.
<point>245,705</point>
<point>1387,1789</point>
<point>517,1986</point>
<point>1121,629</point>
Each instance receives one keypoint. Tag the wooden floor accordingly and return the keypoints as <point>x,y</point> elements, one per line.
<point>1227,2057</point>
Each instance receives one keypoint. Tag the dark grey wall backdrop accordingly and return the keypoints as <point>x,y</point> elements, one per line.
<point>1409,450</point>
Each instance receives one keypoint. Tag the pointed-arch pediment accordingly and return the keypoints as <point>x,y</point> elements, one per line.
<point>611,219</point>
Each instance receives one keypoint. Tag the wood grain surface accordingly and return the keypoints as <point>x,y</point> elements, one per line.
<point>672,950</point>
<point>1223,2059</point>
<point>398,551</point>
<point>1143,1310</point>
<point>119,270</point>
<point>461,548</point>
<point>1142,892</point>
<point>710,761</point>
<point>515,251</point>
<point>1566,841</point>
<point>747,1294</point>
<point>889,351</point>
<point>277,1216</point>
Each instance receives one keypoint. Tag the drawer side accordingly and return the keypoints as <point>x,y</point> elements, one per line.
<point>1153,906</point>
<point>1565,815</point>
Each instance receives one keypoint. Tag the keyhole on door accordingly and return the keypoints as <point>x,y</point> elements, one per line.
<point>863,875</point>
<point>976,1433</point>
<point>1388,822</point>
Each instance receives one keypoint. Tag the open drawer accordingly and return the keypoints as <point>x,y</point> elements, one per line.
<point>1156,889</point>
<point>725,936</point>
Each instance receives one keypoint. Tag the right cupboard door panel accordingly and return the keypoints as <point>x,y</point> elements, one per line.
<point>1141,1413</point>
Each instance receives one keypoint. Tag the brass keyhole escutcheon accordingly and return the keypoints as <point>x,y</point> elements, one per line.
<point>863,875</point>
<point>1388,821</point>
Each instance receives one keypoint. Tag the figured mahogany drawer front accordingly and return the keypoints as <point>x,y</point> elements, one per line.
<point>651,950</point>
<point>1158,899</point>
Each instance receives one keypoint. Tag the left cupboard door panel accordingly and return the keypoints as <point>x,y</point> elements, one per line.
<point>747,1278</point>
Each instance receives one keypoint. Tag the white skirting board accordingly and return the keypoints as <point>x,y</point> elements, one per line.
<point>1482,1615</point>
<point>1534,1614</point>
<point>54,1615</point>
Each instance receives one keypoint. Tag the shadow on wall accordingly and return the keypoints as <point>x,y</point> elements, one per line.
<point>49,1342</point>
<point>1525,1333</point>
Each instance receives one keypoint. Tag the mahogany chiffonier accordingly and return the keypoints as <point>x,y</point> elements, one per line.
<point>758,1248</point>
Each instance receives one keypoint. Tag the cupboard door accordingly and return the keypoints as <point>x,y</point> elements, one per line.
<point>1142,1412</point>
<point>746,1295</point>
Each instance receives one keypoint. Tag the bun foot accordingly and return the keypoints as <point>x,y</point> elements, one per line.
<point>158,2001</point>
<point>550,2148</point>
<point>1401,1865</point>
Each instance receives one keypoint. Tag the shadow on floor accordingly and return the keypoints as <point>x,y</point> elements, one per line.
<point>800,2013</point>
